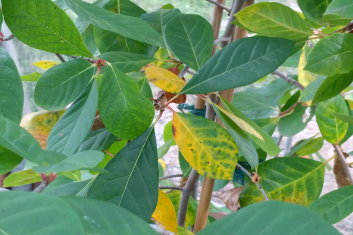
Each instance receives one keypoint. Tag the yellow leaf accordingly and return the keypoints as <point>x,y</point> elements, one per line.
<point>304,77</point>
<point>184,231</point>
<point>45,64</point>
<point>165,213</point>
<point>205,145</point>
<point>164,79</point>
<point>163,164</point>
<point>39,124</point>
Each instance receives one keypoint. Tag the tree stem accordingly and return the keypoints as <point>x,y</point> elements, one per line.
<point>220,5</point>
<point>188,189</point>
<point>289,80</point>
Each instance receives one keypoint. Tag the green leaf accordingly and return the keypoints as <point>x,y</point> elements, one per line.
<point>235,65</point>
<point>62,84</point>
<point>335,206</point>
<point>306,147</point>
<point>289,179</point>
<point>205,145</point>
<point>160,18</point>
<point>124,111</point>
<point>346,118</point>
<point>332,128</point>
<point>109,41</point>
<point>333,86</point>
<point>274,20</point>
<point>73,127</point>
<point>97,140</point>
<point>100,217</point>
<point>1,18</point>
<point>21,178</point>
<point>284,218</point>
<point>33,77</point>
<point>43,25</point>
<point>126,62</point>
<point>270,94</point>
<point>309,91</point>
<point>339,12</point>
<point>132,181</point>
<point>130,27</point>
<point>11,95</point>
<point>190,38</point>
<point>293,123</point>
<point>332,55</point>
<point>67,187</point>
<point>313,9</point>
<point>254,132</point>
<point>8,160</point>
<point>39,214</point>
<point>80,161</point>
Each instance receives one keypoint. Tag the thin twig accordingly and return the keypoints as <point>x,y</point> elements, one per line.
<point>170,176</point>
<point>41,187</point>
<point>188,188</point>
<point>289,80</point>
<point>60,57</point>
<point>257,184</point>
<point>171,187</point>
<point>79,57</point>
<point>227,9</point>
<point>183,72</point>
<point>229,31</point>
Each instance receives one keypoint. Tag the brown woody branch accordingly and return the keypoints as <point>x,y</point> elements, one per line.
<point>288,79</point>
<point>227,9</point>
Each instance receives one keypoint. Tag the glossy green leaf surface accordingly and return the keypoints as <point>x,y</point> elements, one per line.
<point>130,27</point>
<point>313,9</point>
<point>240,63</point>
<point>332,128</point>
<point>293,123</point>
<point>73,127</point>
<point>274,20</point>
<point>79,161</point>
<point>289,179</point>
<point>100,217</point>
<point>8,160</point>
<point>11,95</point>
<point>126,62</point>
<point>63,186</point>
<point>346,118</point>
<point>306,147</point>
<point>28,207</point>
<point>332,55</point>
<point>124,111</point>
<point>62,84</point>
<point>97,140</point>
<point>256,108</point>
<point>332,86</point>
<point>132,178</point>
<point>190,38</point>
<point>160,18</point>
<point>336,205</point>
<point>285,218</point>
<point>109,41</point>
<point>339,12</point>
<point>43,25</point>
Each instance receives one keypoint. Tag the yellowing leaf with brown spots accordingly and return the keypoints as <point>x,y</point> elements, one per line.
<point>165,213</point>
<point>164,79</point>
<point>205,145</point>
<point>39,124</point>
<point>45,64</point>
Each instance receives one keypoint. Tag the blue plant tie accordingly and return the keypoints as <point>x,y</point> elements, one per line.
<point>191,108</point>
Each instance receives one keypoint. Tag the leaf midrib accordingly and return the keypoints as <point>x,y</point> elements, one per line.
<point>134,166</point>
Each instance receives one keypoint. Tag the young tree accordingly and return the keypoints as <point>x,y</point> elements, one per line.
<point>95,159</point>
